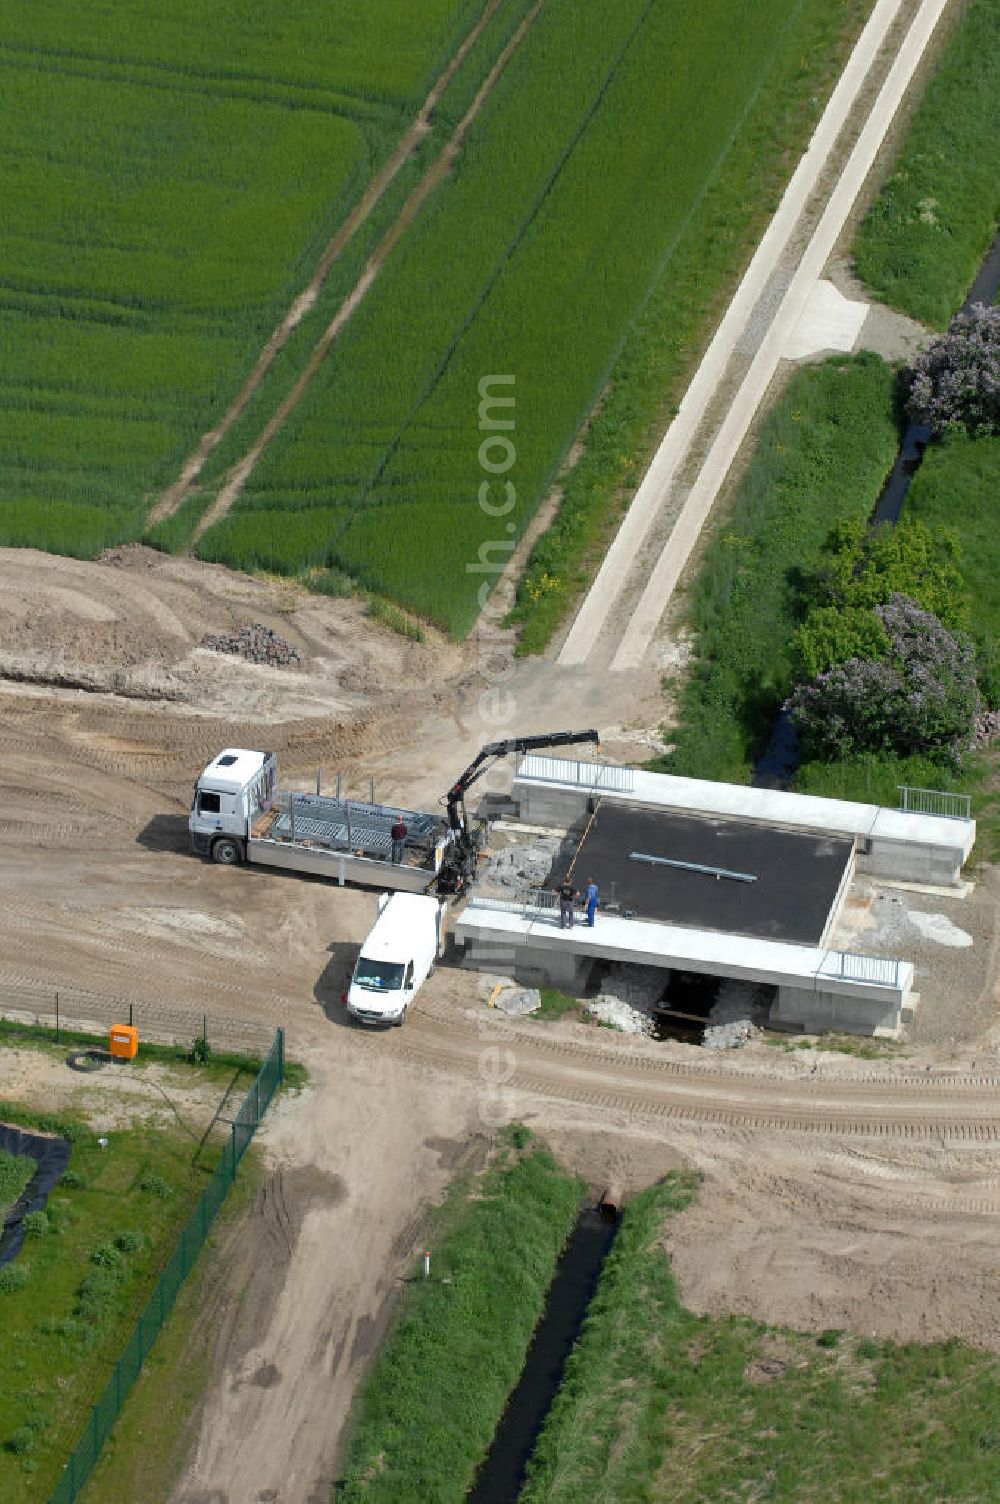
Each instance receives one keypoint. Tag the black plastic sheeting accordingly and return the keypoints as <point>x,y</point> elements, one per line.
<point>51,1156</point>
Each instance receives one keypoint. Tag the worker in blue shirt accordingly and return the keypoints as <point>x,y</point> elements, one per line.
<point>590,899</point>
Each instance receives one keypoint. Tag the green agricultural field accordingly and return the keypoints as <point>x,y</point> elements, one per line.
<point>585,170</point>
<point>921,243</point>
<point>168,180</point>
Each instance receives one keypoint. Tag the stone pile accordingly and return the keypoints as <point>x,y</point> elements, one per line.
<point>739,1009</point>
<point>256,643</point>
<point>511,998</point>
<point>628,996</point>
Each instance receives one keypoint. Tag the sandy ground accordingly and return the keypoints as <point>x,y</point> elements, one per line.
<point>837,1191</point>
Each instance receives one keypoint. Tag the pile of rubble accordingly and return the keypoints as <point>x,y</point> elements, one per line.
<point>512,999</point>
<point>521,866</point>
<point>739,1010</point>
<point>256,643</point>
<point>629,995</point>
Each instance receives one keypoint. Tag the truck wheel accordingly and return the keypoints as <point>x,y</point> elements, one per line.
<point>227,852</point>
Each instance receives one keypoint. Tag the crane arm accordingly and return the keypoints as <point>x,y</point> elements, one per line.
<point>493,750</point>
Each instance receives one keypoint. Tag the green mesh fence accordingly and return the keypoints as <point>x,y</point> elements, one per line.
<point>84,1456</point>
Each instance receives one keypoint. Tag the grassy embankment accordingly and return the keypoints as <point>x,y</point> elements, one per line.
<point>919,247</point>
<point>823,455</point>
<point>921,243</point>
<point>660,1404</point>
<point>428,1413</point>
<point>168,182</point>
<point>515,267</point>
<point>69,1299</point>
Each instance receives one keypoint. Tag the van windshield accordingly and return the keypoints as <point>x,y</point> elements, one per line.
<point>378,976</point>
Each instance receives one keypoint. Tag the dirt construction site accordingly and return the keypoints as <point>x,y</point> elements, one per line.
<point>838,1191</point>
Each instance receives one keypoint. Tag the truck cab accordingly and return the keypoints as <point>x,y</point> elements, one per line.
<point>231,792</point>
<point>396,958</point>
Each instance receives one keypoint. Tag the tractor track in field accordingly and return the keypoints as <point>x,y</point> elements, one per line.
<point>178,493</point>
<point>437,173</point>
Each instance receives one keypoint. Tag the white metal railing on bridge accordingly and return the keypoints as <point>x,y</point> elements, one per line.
<point>535,904</point>
<point>934,802</point>
<point>877,971</point>
<point>577,772</point>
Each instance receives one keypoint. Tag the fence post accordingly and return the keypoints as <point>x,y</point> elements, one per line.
<point>204,1029</point>
<point>130,1019</point>
<point>57,1018</point>
<point>281,1054</point>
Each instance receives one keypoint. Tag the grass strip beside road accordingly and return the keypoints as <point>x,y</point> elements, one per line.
<point>920,245</point>
<point>661,350</point>
<point>659,1404</point>
<point>428,1413</point>
<point>822,456</point>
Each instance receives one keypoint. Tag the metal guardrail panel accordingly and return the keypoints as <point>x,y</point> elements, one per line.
<point>875,971</point>
<point>577,773</point>
<point>947,805</point>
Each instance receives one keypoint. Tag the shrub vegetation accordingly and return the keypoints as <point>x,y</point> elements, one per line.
<point>917,695</point>
<point>956,383</point>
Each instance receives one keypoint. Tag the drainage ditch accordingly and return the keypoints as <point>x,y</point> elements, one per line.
<point>501,1477</point>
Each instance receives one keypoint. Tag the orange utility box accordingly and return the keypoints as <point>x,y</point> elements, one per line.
<point>124,1042</point>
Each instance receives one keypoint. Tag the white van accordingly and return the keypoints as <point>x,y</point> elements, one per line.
<point>397,957</point>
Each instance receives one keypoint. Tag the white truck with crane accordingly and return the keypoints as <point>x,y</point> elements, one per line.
<point>239,815</point>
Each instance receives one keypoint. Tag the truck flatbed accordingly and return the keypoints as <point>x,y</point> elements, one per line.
<point>348,841</point>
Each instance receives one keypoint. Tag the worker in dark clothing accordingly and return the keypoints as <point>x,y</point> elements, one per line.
<point>398,833</point>
<point>590,899</point>
<point>567,893</point>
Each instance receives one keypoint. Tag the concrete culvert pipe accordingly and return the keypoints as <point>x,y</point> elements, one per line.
<point>610,1202</point>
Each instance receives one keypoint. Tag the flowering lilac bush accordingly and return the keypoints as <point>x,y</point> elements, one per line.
<point>956,383</point>
<point>921,697</point>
